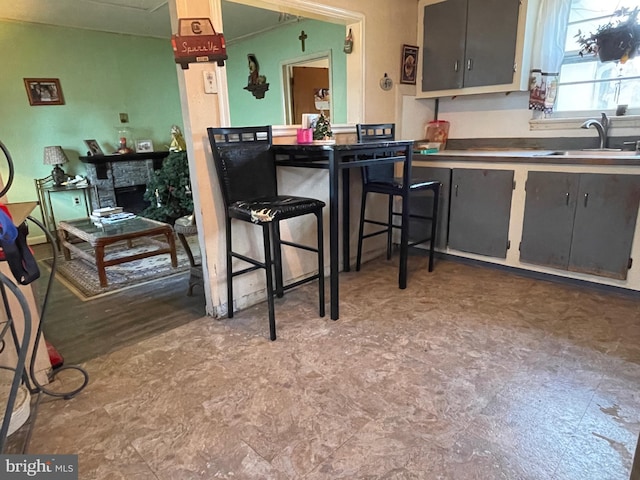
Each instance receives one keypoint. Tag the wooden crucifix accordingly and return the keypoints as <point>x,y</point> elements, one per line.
<point>302,38</point>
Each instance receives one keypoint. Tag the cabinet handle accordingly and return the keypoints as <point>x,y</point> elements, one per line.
<point>469,64</point>
<point>567,198</point>
<point>456,190</point>
<point>456,66</point>
<point>586,199</point>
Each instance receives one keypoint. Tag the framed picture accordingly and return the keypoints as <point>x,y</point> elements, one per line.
<point>143,146</point>
<point>94,148</point>
<point>44,91</point>
<point>309,120</point>
<point>408,68</point>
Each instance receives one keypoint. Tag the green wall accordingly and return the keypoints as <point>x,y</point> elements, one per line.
<point>272,49</point>
<point>101,75</point>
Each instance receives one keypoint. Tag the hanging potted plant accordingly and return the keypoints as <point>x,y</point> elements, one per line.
<point>617,40</point>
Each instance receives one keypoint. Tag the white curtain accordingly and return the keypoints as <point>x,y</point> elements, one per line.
<point>548,53</point>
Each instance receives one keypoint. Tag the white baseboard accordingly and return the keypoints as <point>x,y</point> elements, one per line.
<point>36,239</point>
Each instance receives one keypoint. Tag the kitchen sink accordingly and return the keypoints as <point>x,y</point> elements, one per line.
<point>592,153</point>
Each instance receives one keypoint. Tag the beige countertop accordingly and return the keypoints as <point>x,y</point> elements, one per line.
<point>570,157</point>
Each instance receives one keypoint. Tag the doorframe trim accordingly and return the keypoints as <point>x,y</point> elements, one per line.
<point>285,72</point>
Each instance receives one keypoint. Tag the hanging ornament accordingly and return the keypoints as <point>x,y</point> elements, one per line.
<point>348,43</point>
<point>386,83</point>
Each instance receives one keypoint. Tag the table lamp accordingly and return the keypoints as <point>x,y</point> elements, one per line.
<point>56,156</point>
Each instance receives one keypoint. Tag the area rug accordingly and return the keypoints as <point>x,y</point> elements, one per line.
<point>81,276</point>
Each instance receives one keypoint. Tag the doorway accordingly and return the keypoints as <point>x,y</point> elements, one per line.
<point>307,85</point>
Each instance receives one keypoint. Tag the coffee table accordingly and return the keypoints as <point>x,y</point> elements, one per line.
<point>99,237</point>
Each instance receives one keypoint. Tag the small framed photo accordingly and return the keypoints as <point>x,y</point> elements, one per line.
<point>94,148</point>
<point>409,65</point>
<point>309,120</point>
<point>44,91</point>
<point>144,146</point>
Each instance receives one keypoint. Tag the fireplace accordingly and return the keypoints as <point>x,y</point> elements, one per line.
<point>121,180</point>
<point>131,198</point>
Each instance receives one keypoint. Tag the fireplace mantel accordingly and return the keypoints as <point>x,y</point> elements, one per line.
<point>124,157</point>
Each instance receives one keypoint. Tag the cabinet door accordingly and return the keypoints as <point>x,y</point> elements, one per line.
<point>480,211</point>
<point>491,42</point>
<point>443,45</point>
<point>422,204</point>
<point>604,224</point>
<point>549,209</point>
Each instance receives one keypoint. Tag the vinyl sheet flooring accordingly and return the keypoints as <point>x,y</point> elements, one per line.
<point>469,373</point>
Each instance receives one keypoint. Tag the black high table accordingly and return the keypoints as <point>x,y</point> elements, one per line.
<point>339,158</point>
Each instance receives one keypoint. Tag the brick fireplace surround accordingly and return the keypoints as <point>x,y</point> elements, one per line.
<point>121,180</point>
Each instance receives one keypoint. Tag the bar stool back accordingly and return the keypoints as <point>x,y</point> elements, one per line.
<point>246,172</point>
<point>380,179</point>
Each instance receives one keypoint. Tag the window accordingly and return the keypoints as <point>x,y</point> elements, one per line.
<point>585,83</point>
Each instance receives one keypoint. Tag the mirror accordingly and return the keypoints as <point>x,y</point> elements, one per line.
<point>289,49</point>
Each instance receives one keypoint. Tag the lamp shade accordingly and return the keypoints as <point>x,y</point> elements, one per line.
<point>54,156</point>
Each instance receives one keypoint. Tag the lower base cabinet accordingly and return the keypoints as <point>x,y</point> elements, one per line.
<point>480,211</point>
<point>581,222</point>
<point>421,203</point>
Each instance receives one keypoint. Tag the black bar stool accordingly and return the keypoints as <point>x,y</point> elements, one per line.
<point>380,179</point>
<point>247,174</point>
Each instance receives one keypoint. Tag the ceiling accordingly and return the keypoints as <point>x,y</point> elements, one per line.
<point>148,18</point>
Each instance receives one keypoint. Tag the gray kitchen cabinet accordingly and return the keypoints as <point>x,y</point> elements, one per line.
<point>550,206</point>
<point>469,43</point>
<point>421,203</point>
<point>480,211</point>
<point>581,222</point>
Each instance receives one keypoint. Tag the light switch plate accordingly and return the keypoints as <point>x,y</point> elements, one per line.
<point>210,84</point>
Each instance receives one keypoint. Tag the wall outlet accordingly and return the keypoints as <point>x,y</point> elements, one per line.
<point>76,201</point>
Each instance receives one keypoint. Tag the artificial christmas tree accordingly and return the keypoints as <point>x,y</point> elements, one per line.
<point>169,190</point>
<point>322,130</point>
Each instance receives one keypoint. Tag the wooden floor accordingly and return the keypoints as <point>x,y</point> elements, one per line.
<point>83,330</point>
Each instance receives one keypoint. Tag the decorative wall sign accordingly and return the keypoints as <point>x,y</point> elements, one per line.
<point>197,41</point>
<point>409,62</point>
<point>44,91</point>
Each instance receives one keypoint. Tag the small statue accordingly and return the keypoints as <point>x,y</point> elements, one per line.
<point>122,147</point>
<point>256,83</point>
<point>254,71</point>
<point>177,141</point>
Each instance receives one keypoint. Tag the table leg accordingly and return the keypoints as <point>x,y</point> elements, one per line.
<point>346,220</point>
<point>404,231</point>
<point>172,245</point>
<point>333,235</point>
<point>102,274</point>
<point>62,237</point>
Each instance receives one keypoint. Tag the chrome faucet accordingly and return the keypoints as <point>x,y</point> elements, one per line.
<point>602,127</point>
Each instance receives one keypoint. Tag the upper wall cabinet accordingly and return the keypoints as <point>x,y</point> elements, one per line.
<point>474,46</point>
